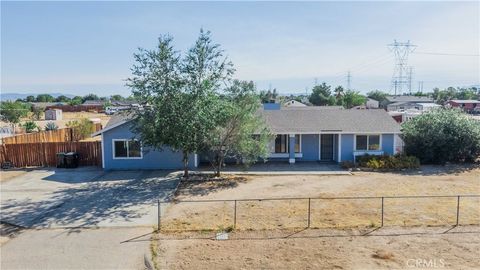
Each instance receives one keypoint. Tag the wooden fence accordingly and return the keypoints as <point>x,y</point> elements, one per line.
<point>45,153</point>
<point>59,135</point>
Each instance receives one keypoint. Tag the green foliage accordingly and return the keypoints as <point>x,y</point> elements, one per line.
<point>62,98</point>
<point>352,98</point>
<point>30,99</point>
<point>117,98</point>
<point>37,113</point>
<point>77,100</point>
<point>378,95</point>
<point>237,121</point>
<point>30,126</point>
<point>51,126</point>
<point>45,98</point>
<point>396,162</point>
<point>90,97</point>
<point>81,129</point>
<point>181,93</point>
<point>268,96</point>
<point>12,112</point>
<point>443,135</point>
<point>322,95</point>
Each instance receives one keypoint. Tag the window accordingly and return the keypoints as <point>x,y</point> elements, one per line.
<point>127,149</point>
<point>368,142</point>
<point>281,144</point>
<point>298,149</point>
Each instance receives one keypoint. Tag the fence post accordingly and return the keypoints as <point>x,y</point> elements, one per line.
<point>235,215</point>
<point>309,199</point>
<point>458,208</point>
<point>382,210</point>
<point>159,215</point>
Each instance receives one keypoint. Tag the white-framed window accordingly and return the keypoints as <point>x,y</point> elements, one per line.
<point>281,143</point>
<point>367,142</point>
<point>126,149</point>
<point>298,143</point>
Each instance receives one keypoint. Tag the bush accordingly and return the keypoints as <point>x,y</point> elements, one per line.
<point>51,126</point>
<point>443,135</point>
<point>396,162</point>
<point>81,129</point>
<point>30,126</point>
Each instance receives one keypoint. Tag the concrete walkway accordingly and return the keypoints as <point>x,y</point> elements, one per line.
<point>107,248</point>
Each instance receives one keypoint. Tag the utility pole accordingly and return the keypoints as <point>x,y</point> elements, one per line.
<point>349,80</point>
<point>401,50</point>
<point>420,86</point>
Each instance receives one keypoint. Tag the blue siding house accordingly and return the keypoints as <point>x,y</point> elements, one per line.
<point>312,133</point>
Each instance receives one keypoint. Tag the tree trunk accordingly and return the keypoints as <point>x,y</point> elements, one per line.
<point>219,164</point>
<point>185,164</point>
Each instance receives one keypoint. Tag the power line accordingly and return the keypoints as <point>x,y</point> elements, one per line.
<point>401,51</point>
<point>447,54</point>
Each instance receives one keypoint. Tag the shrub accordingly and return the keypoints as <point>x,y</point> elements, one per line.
<point>30,126</point>
<point>396,162</point>
<point>82,129</point>
<point>443,135</point>
<point>51,126</point>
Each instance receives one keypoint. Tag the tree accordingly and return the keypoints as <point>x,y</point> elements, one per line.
<point>321,95</point>
<point>378,95</point>
<point>36,112</point>
<point>90,97</point>
<point>50,126</point>
<point>30,99</point>
<point>117,98</point>
<point>45,98</point>
<point>237,122</point>
<point>181,94</point>
<point>443,135</point>
<point>62,98</point>
<point>30,126</point>
<point>12,112</point>
<point>353,98</point>
<point>81,129</point>
<point>77,100</point>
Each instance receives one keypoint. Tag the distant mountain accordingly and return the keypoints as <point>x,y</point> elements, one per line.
<point>15,96</point>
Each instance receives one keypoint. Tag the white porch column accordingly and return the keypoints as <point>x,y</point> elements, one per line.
<point>339,147</point>
<point>291,148</point>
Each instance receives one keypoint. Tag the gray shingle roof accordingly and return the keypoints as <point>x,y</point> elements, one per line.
<point>317,120</point>
<point>408,99</point>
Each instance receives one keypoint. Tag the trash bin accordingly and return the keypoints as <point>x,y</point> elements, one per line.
<point>71,160</point>
<point>61,160</point>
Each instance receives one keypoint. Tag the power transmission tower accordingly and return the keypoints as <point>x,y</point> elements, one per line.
<point>349,80</point>
<point>401,50</point>
<point>420,86</point>
<point>410,75</point>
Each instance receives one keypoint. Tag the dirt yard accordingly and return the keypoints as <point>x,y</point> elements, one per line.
<point>344,234</point>
<point>327,213</point>
<point>392,248</point>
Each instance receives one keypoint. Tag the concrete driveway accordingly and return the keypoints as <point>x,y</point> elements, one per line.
<point>85,197</point>
<point>82,218</point>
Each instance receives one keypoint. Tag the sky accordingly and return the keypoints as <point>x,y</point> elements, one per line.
<point>87,47</point>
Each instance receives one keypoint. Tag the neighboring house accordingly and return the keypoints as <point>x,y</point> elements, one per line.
<point>403,106</point>
<point>371,104</point>
<point>53,114</point>
<point>294,103</point>
<point>467,105</point>
<point>313,133</point>
<point>393,99</point>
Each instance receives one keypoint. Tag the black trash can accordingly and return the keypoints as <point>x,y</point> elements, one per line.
<point>71,160</point>
<point>61,160</point>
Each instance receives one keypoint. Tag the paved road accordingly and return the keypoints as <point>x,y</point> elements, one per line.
<point>110,248</point>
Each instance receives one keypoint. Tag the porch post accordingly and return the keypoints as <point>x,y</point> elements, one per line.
<point>291,149</point>
<point>339,147</point>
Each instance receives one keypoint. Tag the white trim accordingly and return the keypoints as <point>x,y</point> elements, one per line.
<point>368,135</point>
<point>291,160</point>
<point>103,152</point>
<point>110,127</point>
<point>319,146</point>
<point>299,144</point>
<point>123,140</point>
<point>339,147</point>
<point>195,160</point>
<point>284,155</point>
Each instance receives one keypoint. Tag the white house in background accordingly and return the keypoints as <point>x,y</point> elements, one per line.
<point>53,114</point>
<point>371,104</point>
<point>294,103</point>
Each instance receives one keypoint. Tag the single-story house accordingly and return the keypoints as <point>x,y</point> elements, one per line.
<point>371,104</point>
<point>403,106</point>
<point>467,105</point>
<point>405,99</point>
<point>294,103</point>
<point>313,133</point>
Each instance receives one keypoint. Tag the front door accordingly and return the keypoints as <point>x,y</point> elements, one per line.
<point>326,147</point>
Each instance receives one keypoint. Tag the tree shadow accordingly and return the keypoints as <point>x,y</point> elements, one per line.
<point>94,202</point>
<point>204,184</point>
